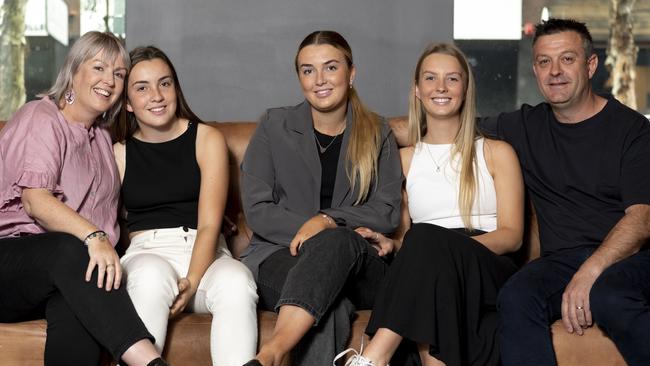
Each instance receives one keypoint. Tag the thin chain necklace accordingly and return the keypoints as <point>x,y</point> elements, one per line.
<point>322,148</point>
<point>437,162</point>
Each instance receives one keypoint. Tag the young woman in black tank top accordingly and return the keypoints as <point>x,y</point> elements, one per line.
<point>174,172</point>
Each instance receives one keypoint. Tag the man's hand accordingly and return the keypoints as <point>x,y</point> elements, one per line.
<point>576,311</point>
<point>625,239</point>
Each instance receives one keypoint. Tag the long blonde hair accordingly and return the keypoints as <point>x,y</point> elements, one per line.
<point>365,135</point>
<point>467,134</point>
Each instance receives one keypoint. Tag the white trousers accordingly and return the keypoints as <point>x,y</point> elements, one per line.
<point>157,259</point>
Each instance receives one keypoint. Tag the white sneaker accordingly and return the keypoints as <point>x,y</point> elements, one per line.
<point>355,360</point>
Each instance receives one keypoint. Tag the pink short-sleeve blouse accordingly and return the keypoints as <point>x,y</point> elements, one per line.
<point>40,149</point>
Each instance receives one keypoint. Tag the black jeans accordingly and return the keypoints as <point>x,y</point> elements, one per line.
<point>43,276</point>
<point>531,299</point>
<point>335,272</point>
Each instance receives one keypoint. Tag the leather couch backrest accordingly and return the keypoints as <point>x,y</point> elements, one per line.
<point>237,135</point>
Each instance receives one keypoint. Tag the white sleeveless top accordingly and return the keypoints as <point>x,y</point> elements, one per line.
<point>432,186</point>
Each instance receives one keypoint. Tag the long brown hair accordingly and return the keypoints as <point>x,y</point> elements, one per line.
<point>365,135</point>
<point>467,134</point>
<point>128,124</point>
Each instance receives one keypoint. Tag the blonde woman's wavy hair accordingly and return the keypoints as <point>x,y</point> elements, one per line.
<point>467,134</point>
<point>365,136</point>
<point>86,47</point>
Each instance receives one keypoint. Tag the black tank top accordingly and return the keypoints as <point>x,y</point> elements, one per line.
<point>162,182</point>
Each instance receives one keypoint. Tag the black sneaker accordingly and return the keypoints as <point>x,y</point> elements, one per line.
<point>253,362</point>
<point>158,362</point>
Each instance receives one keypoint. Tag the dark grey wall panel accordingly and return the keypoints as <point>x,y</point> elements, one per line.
<point>235,57</point>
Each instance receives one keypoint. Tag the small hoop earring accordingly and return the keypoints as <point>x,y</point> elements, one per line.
<point>350,85</point>
<point>69,96</point>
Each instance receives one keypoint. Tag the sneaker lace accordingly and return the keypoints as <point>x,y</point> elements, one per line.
<point>356,359</point>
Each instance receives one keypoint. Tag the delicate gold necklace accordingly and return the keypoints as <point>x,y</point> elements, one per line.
<point>440,161</point>
<point>322,148</point>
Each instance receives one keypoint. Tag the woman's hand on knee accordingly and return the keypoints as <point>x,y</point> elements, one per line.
<point>185,293</point>
<point>310,228</point>
<point>103,256</point>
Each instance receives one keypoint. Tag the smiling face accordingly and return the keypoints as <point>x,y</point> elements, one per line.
<point>151,93</point>
<point>562,69</point>
<point>325,77</point>
<point>97,85</point>
<point>440,86</point>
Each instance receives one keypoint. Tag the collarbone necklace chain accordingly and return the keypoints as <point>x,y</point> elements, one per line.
<point>442,159</point>
<point>322,148</point>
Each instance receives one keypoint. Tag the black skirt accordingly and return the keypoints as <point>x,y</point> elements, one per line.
<point>441,290</point>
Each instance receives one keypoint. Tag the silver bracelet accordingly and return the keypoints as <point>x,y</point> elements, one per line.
<point>329,219</point>
<point>95,234</point>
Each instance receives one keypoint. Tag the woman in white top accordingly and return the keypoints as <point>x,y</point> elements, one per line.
<point>463,209</point>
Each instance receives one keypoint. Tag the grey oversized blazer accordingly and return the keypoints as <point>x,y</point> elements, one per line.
<point>281,181</point>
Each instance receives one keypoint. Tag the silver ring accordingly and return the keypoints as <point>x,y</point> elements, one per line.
<point>579,308</point>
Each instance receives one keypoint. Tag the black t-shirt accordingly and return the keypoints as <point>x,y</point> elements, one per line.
<point>581,177</point>
<point>329,148</point>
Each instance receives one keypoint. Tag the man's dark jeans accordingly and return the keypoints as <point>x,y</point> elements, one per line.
<point>531,300</point>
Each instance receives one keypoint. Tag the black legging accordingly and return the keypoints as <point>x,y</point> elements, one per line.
<point>43,276</point>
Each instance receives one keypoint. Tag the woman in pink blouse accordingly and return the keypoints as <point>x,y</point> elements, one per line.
<point>59,191</point>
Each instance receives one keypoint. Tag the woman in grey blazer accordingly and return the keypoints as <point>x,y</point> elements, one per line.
<point>312,174</point>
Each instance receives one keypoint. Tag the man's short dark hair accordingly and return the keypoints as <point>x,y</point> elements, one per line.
<point>557,25</point>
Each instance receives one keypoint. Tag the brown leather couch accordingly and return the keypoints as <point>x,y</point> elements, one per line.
<point>22,344</point>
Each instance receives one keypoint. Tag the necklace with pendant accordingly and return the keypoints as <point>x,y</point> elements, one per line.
<point>440,161</point>
<point>322,148</point>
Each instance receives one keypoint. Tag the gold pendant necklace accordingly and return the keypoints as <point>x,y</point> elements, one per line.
<point>322,148</point>
<point>436,161</point>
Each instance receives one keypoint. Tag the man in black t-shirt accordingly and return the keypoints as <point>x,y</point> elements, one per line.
<point>586,165</point>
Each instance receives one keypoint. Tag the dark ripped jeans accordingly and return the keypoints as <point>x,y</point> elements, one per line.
<point>335,273</point>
